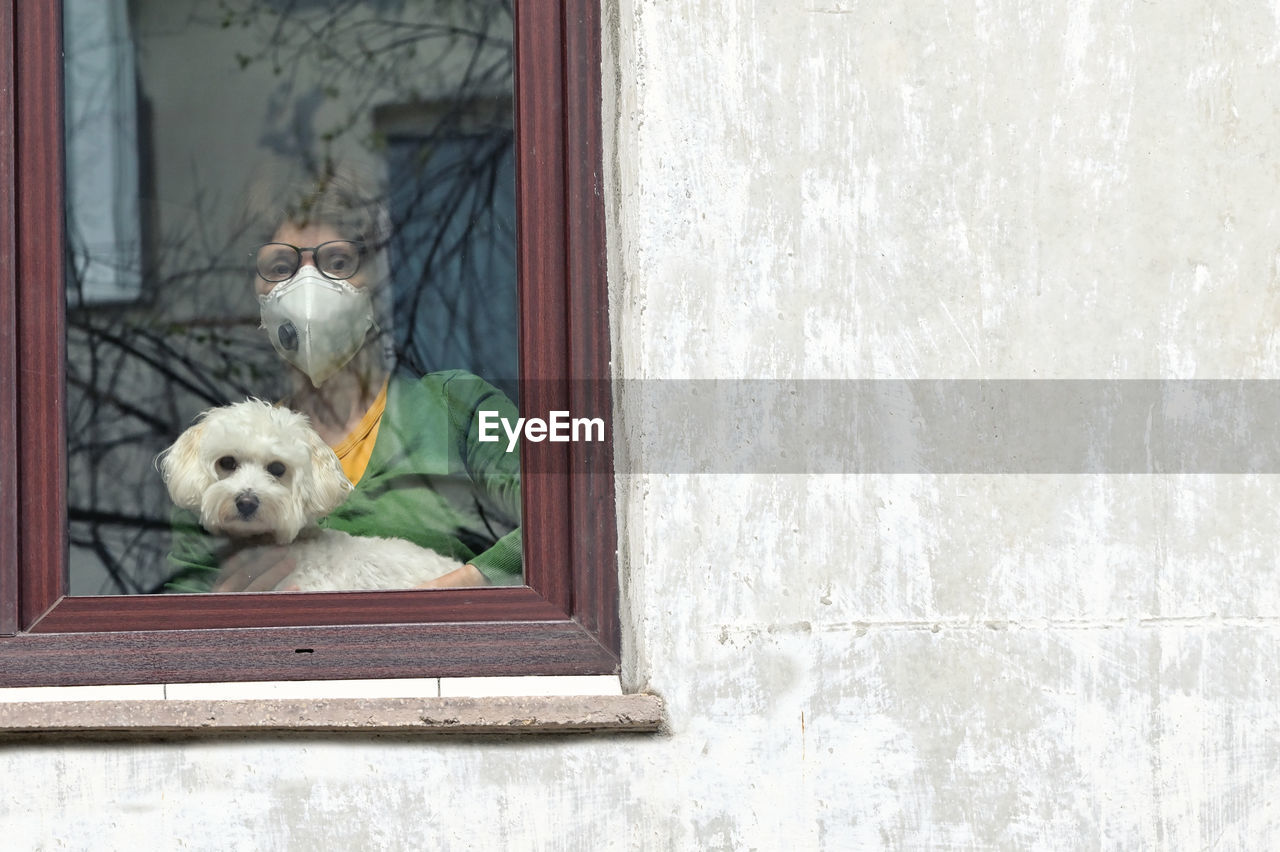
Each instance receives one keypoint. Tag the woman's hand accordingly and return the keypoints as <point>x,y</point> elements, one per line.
<point>461,578</point>
<point>256,569</point>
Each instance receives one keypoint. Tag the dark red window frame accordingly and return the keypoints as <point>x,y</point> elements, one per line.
<point>564,621</point>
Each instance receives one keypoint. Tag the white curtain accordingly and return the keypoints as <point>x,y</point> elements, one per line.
<point>103,226</point>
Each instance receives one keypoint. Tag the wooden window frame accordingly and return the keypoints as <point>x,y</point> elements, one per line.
<point>564,621</point>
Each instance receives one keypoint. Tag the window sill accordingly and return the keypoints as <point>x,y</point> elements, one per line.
<point>277,708</point>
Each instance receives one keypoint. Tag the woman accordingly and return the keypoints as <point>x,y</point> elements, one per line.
<point>409,444</point>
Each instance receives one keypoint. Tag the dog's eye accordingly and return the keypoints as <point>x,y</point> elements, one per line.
<point>276,469</point>
<point>227,464</point>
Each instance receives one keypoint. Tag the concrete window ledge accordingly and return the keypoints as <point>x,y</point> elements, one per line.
<point>542,714</point>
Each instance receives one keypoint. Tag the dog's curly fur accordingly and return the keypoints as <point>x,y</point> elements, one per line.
<point>258,473</point>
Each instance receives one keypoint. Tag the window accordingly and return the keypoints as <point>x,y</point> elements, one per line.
<point>563,621</point>
<point>102,158</point>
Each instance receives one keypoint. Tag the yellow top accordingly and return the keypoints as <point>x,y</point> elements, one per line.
<point>355,449</point>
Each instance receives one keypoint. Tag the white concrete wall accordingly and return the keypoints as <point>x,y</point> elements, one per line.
<point>840,189</point>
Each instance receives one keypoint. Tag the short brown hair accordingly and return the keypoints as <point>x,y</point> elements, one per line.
<point>340,195</point>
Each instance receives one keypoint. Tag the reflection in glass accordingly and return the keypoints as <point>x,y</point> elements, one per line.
<point>198,135</point>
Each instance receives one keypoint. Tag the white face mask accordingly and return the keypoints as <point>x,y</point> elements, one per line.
<point>315,323</point>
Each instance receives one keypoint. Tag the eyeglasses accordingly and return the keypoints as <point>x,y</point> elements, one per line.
<point>336,259</point>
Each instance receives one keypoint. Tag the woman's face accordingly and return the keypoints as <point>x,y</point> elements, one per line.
<point>306,236</point>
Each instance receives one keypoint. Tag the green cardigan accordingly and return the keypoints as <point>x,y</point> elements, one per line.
<point>429,480</point>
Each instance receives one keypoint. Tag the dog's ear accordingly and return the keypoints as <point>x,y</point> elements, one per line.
<point>327,486</point>
<point>184,475</point>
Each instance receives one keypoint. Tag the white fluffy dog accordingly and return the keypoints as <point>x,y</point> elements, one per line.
<point>260,474</point>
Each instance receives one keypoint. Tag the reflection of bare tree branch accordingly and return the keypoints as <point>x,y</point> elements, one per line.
<point>131,390</point>
<point>461,203</point>
<point>195,381</point>
<point>138,373</point>
<point>460,144</point>
<point>117,519</point>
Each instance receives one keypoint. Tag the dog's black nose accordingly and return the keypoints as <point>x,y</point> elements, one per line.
<point>246,504</point>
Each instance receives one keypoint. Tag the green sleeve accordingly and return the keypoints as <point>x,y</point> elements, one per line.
<point>501,563</point>
<point>495,470</point>
<point>191,554</point>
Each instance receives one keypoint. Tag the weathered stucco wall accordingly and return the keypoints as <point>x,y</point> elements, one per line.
<point>838,189</point>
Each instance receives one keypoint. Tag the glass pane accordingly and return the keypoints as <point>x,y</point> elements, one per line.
<point>312,203</point>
